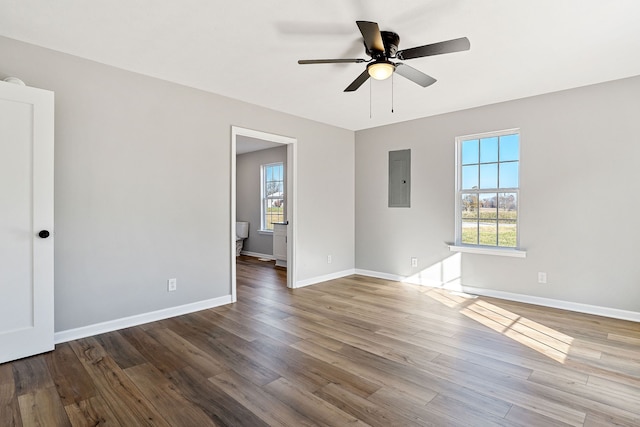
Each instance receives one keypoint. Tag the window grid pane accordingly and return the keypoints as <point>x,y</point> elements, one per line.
<point>273,195</point>
<point>488,233</point>
<point>469,177</point>
<point>469,206</point>
<point>489,176</point>
<point>507,219</point>
<point>508,174</point>
<point>487,217</point>
<point>489,150</point>
<point>509,147</point>
<point>470,153</point>
<point>470,231</point>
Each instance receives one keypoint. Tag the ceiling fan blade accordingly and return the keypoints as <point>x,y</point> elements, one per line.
<point>414,75</point>
<point>331,61</point>
<point>358,81</point>
<point>449,46</point>
<point>371,34</point>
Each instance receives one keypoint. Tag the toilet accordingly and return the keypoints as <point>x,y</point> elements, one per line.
<point>242,232</point>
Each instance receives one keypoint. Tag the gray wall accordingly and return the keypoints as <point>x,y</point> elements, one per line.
<point>142,187</point>
<point>248,195</point>
<point>580,152</point>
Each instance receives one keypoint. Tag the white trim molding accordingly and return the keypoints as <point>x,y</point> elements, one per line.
<point>324,278</point>
<point>292,200</point>
<point>379,275</point>
<point>257,255</point>
<point>555,303</point>
<point>139,319</point>
<point>596,310</point>
<point>483,250</point>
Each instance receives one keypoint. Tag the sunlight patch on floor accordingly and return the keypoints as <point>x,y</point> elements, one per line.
<point>446,278</point>
<point>449,298</point>
<point>540,338</point>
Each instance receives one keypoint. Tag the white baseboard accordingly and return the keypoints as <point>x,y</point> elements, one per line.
<point>325,278</point>
<point>554,303</point>
<point>528,299</point>
<point>257,255</point>
<point>139,319</point>
<point>379,275</point>
<point>126,322</point>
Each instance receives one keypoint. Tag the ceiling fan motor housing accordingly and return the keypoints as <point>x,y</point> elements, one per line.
<point>391,41</point>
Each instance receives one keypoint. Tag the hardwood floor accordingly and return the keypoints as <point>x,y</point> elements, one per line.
<point>352,351</point>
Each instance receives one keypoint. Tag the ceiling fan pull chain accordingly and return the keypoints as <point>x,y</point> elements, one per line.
<point>370,116</point>
<point>391,93</point>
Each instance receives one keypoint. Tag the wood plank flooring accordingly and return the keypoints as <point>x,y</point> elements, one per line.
<point>352,351</point>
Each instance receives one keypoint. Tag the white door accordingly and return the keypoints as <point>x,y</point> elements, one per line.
<point>26,210</point>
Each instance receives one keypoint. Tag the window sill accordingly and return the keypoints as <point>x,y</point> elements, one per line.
<point>266,232</point>
<point>483,250</point>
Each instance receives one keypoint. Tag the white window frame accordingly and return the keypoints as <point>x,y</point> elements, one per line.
<point>458,246</point>
<point>264,198</point>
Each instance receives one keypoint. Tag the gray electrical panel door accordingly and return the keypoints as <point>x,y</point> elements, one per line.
<point>400,179</point>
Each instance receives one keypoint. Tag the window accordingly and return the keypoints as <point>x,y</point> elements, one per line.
<point>272,193</point>
<point>487,193</point>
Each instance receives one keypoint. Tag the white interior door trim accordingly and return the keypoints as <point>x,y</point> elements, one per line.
<point>292,200</point>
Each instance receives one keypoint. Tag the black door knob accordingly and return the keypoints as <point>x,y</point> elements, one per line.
<point>44,234</point>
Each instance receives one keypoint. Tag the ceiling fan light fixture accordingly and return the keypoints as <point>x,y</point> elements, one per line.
<point>381,46</point>
<point>381,70</point>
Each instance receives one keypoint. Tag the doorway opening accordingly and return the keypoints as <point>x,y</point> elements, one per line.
<point>242,138</point>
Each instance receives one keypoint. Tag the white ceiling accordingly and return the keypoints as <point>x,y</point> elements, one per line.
<point>248,49</point>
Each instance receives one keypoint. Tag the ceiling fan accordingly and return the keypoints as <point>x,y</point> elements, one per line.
<point>382,46</point>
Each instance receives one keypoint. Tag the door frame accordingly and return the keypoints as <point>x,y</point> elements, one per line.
<point>292,200</point>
